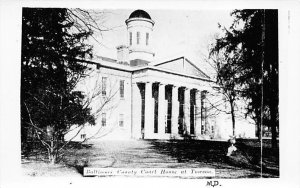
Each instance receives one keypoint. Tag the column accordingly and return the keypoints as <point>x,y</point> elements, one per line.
<point>175,111</point>
<point>187,110</point>
<point>136,112</point>
<point>198,113</point>
<point>149,111</point>
<point>161,109</point>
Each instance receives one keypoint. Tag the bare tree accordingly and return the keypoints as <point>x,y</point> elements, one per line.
<point>225,90</point>
<point>100,99</point>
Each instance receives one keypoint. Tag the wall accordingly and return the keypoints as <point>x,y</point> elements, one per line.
<point>141,50</point>
<point>220,121</point>
<point>113,105</point>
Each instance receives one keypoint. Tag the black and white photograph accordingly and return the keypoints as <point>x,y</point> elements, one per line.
<point>156,93</point>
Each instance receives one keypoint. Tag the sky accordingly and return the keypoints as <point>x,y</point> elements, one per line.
<point>175,33</point>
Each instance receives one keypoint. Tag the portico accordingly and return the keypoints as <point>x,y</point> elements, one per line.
<point>168,108</point>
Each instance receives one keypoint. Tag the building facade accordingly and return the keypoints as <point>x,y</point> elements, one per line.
<point>135,97</point>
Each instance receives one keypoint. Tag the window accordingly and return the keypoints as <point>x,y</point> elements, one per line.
<point>138,38</point>
<point>82,136</point>
<point>121,89</point>
<point>103,119</point>
<point>147,39</point>
<point>104,80</point>
<point>130,38</point>
<point>121,120</point>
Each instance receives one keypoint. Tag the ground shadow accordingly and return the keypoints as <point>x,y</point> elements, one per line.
<point>213,153</point>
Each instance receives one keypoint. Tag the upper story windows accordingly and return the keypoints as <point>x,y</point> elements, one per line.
<point>138,38</point>
<point>83,136</point>
<point>117,85</point>
<point>147,39</point>
<point>122,89</point>
<point>130,38</point>
<point>104,86</point>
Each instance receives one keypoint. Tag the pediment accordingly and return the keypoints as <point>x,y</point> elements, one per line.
<point>182,65</point>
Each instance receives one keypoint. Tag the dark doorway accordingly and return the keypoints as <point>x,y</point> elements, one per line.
<point>155,96</point>
<point>168,97</point>
<point>181,111</point>
<point>192,111</point>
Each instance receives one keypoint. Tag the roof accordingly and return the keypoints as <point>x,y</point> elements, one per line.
<point>112,64</point>
<point>140,14</point>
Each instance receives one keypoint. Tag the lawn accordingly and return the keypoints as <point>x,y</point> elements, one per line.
<point>245,163</point>
<point>213,153</point>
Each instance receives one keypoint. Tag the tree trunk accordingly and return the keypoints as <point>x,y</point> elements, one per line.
<point>52,153</point>
<point>274,125</point>
<point>258,131</point>
<point>52,159</point>
<point>274,137</point>
<point>232,118</point>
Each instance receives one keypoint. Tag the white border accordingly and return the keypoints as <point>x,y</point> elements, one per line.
<point>10,48</point>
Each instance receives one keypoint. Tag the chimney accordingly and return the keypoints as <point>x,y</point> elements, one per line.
<point>123,54</point>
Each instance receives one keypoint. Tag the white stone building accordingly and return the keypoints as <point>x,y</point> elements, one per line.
<point>136,97</point>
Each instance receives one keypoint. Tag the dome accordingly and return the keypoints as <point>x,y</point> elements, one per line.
<point>140,14</point>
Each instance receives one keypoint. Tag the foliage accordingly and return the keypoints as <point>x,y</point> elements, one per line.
<point>227,69</point>
<point>51,48</point>
<point>250,47</point>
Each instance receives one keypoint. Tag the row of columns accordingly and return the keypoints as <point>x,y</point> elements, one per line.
<point>147,130</point>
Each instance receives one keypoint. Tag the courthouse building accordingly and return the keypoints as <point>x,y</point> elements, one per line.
<point>136,97</point>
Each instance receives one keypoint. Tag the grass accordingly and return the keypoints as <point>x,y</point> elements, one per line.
<point>245,163</point>
<point>213,153</point>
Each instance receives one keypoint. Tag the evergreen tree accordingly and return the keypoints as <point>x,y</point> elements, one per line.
<point>50,70</point>
<point>253,36</point>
